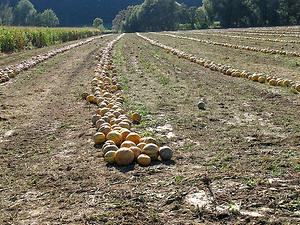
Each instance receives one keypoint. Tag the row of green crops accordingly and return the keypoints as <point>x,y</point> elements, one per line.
<point>14,39</point>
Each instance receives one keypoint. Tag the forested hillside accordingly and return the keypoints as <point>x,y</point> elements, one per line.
<point>82,12</point>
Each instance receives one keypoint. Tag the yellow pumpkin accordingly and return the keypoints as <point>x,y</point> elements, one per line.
<point>272,82</point>
<point>136,118</point>
<point>286,83</point>
<point>99,138</point>
<point>254,77</point>
<point>124,157</point>
<point>90,98</point>
<point>103,111</point>
<point>144,160</point>
<point>127,144</point>
<point>115,136</point>
<point>151,150</point>
<point>137,151</point>
<point>262,79</point>
<point>110,156</point>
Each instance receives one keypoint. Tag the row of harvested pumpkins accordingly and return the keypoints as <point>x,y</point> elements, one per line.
<point>250,38</point>
<point>278,30</point>
<point>244,47</point>
<point>120,145</point>
<point>11,71</point>
<point>228,70</point>
<point>266,34</point>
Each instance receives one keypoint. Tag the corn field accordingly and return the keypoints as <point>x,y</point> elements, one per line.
<point>14,39</point>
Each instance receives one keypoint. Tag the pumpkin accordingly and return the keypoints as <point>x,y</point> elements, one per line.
<point>99,123</point>
<point>134,137</point>
<point>95,118</point>
<point>262,79</point>
<point>286,83</point>
<point>115,136</point>
<point>127,144</point>
<point>117,114</point>
<point>165,153</point>
<point>272,82</point>
<point>110,105</point>
<point>144,160</point>
<point>99,138</point>
<point>110,147</point>
<point>141,145</point>
<point>280,83</point>
<point>136,150</point>
<point>136,118</point>
<point>254,77</point>
<point>103,111</point>
<point>124,132</point>
<point>148,140</point>
<point>117,128</point>
<point>101,106</point>
<point>151,150</point>
<point>105,129</point>
<point>124,157</point>
<point>107,143</point>
<point>125,124</point>
<point>201,105</point>
<point>109,157</point>
<point>90,98</point>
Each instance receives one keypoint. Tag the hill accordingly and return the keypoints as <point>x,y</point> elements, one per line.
<point>82,12</point>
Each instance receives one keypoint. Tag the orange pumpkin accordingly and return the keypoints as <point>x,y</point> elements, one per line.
<point>124,157</point>
<point>144,160</point>
<point>137,151</point>
<point>134,137</point>
<point>124,132</point>
<point>141,145</point>
<point>115,136</point>
<point>127,144</point>
<point>105,129</point>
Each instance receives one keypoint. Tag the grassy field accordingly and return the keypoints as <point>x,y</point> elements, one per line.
<point>20,38</point>
<point>236,162</point>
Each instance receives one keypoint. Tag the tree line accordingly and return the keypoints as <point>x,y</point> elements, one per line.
<point>25,14</point>
<point>158,15</point>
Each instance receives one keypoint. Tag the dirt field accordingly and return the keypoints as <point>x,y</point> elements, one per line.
<point>238,160</point>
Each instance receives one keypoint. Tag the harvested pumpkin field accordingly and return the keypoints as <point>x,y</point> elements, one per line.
<point>87,134</point>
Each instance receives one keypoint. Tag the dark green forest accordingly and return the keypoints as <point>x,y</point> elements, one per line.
<point>159,15</point>
<point>83,12</point>
<point>151,15</point>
